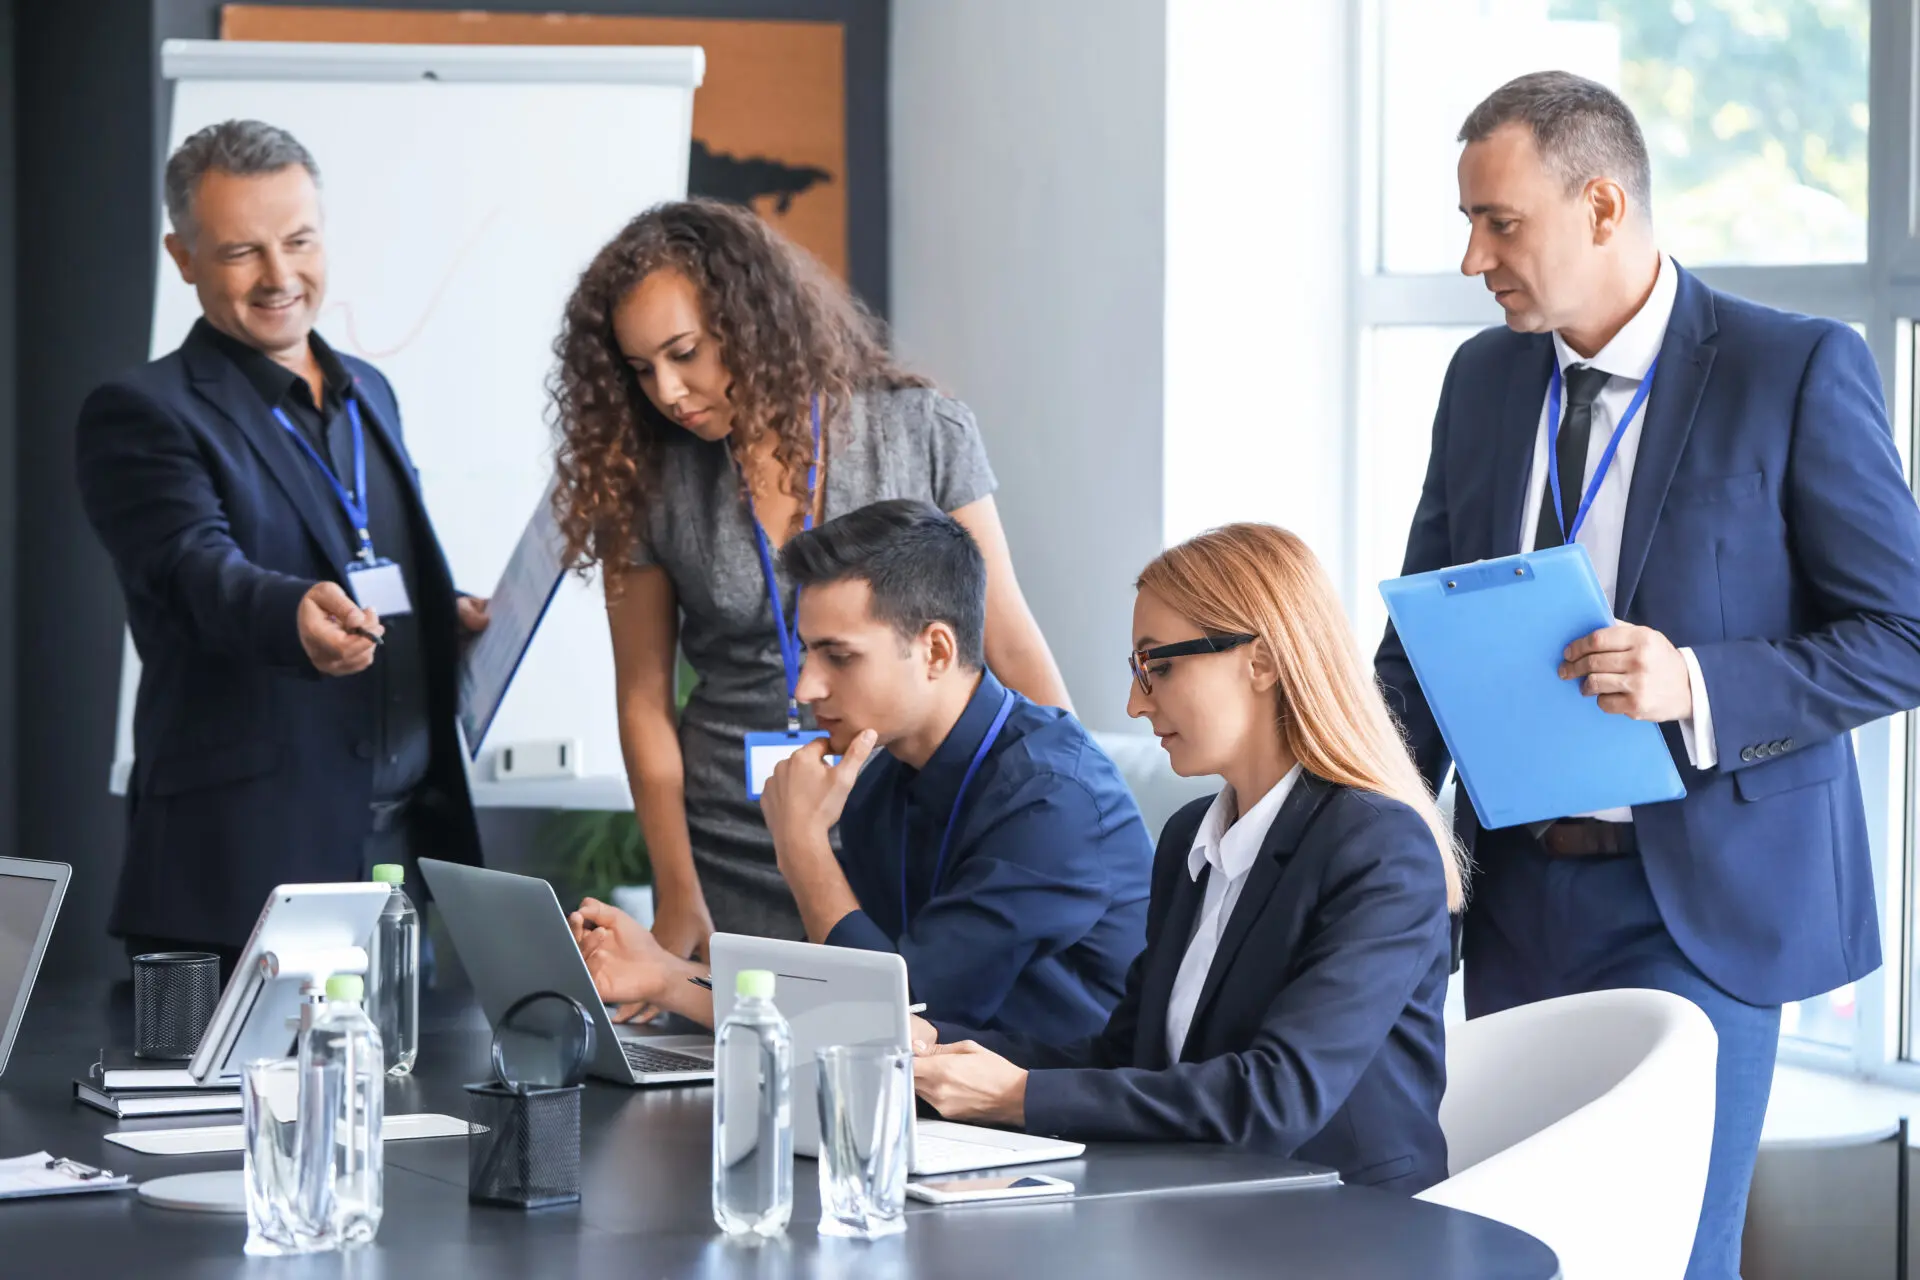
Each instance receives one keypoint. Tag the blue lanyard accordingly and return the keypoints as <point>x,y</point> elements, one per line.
<point>946,840</point>
<point>789,635</point>
<point>353,503</point>
<point>1606,459</point>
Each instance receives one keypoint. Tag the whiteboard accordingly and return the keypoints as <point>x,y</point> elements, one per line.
<point>464,190</point>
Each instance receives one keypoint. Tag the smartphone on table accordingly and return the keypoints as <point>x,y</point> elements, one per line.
<point>1023,1186</point>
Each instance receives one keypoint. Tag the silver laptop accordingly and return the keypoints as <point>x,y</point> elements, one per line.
<point>30,894</point>
<point>839,995</point>
<point>513,940</point>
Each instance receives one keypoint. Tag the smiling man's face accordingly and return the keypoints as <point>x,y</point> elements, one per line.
<point>255,256</point>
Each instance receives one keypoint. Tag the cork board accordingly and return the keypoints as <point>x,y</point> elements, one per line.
<point>769,123</point>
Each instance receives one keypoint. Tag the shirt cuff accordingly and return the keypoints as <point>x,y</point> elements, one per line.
<point>1696,731</point>
<point>858,931</point>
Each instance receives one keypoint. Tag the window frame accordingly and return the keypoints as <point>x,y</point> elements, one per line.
<point>1882,294</point>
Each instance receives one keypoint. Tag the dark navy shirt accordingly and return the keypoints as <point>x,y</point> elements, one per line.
<point>1042,902</point>
<point>404,751</point>
<point>405,746</point>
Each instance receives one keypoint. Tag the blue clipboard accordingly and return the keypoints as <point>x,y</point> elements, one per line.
<point>517,607</point>
<point>1485,642</point>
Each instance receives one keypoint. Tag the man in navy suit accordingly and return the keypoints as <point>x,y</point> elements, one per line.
<point>1761,551</point>
<point>296,621</point>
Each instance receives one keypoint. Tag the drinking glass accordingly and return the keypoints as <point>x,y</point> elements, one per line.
<point>866,1110</point>
<point>277,1221</point>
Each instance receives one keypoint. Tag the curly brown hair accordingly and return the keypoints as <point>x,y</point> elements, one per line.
<point>786,330</point>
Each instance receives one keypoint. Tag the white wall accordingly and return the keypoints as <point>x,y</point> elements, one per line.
<point>1028,233</point>
<point>1258,247</point>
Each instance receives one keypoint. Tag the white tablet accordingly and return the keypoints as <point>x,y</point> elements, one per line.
<point>30,894</point>
<point>305,934</point>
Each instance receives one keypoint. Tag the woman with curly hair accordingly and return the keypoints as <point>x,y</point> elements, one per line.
<point>718,392</point>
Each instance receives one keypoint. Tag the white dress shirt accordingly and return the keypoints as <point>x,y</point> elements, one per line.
<point>1627,358</point>
<point>1231,851</point>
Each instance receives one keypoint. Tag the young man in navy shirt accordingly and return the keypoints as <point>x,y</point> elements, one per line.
<point>987,840</point>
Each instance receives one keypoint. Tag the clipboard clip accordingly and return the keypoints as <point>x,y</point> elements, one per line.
<point>74,1169</point>
<point>1485,575</point>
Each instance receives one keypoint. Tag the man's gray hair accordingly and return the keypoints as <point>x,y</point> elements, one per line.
<point>244,148</point>
<point>1583,130</point>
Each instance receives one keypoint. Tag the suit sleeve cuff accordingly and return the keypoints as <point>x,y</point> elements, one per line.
<point>1696,731</point>
<point>277,622</point>
<point>858,931</point>
<point>1053,1106</point>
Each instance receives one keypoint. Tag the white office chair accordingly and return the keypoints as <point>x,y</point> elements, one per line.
<point>1157,789</point>
<point>1585,1122</point>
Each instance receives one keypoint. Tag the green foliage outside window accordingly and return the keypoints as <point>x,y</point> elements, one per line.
<point>1755,113</point>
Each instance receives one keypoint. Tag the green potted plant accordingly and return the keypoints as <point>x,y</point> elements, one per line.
<point>606,857</point>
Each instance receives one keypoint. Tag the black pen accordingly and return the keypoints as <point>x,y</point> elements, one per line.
<point>363,632</point>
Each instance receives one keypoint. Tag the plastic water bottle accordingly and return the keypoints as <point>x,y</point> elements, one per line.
<point>393,996</point>
<point>752,1119</point>
<point>342,1101</point>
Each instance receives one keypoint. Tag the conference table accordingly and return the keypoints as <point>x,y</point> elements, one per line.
<point>645,1209</point>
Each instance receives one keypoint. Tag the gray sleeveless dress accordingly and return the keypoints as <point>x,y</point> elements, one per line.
<point>912,443</point>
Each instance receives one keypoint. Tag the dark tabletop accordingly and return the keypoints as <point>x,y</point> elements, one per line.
<point>645,1208</point>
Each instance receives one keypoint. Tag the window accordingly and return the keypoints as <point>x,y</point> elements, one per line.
<point>1758,116</point>
<point>1755,113</point>
<point>1827,1019</point>
<point>1402,367</point>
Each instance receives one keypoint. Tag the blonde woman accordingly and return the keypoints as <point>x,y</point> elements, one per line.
<point>1289,998</point>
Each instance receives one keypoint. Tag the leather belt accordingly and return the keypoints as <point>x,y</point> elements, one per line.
<point>1588,838</point>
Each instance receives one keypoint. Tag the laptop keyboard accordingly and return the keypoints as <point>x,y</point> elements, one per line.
<point>932,1152</point>
<point>649,1060</point>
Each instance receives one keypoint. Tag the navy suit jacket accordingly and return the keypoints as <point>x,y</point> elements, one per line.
<point>1319,1031</point>
<point>250,769</point>
<point>1769,528</point>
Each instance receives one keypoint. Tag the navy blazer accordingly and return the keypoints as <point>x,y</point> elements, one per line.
<point>1319,1031</point>
<point>1770,528</point>
<point>250,769</point>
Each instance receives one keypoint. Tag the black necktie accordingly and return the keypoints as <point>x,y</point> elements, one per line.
<point>1584,385</point>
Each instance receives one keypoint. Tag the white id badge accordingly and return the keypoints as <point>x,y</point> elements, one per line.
<point>767,750</point>
<point>380,587</point>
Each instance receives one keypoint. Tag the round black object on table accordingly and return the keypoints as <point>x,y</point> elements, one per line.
<point>174,993</point>
<point>523,1127</point>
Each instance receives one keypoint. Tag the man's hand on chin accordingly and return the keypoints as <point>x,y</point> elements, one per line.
<point>802,802</point>
<point>805,796</point>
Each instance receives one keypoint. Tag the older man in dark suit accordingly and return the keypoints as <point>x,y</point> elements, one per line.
<point>296,621</point>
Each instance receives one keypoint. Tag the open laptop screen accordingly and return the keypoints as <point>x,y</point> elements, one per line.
<point>23,911</point>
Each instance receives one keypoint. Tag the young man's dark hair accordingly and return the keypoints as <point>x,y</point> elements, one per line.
<point>920,563</point>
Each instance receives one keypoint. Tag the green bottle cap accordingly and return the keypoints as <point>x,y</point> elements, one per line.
<point>754,984</point>
<point>347,988</point>
<point>390,873</point>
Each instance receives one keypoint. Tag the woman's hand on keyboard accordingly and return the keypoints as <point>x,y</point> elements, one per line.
<point>629,968</point>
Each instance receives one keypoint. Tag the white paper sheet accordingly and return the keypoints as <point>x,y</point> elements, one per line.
<point>206,1139</point>
<point>25,1176</point>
